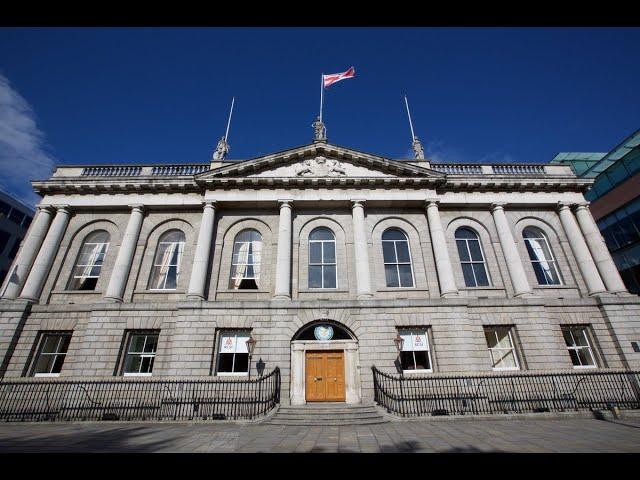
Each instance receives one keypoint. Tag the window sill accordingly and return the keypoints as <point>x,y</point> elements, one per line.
<point>471,289</point>
<point>402,289</point>
<point>243,290</point>
<point>141,292</point>
<point>136,374</point>
<point>232,374</point>
<point>322,290</point>
<point>416,372</point>
<point>584,367</point>
<point>46,375</point>
<point>507,369</point>
<point>74,292</point>
<point>554,287</point>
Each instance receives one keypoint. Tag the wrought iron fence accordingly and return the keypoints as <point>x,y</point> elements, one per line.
<point>522,392</point>
<point>139,399</point>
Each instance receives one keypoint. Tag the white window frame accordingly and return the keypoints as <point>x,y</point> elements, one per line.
<point>180,247</point>
<point>254,264</point>
<point>43,338</point>
<point>224,334</point>
<point>91,265</point>
<point>142,354</point>
<point>323,263</point>
<point>554,264</point>
<point>412,332</point>
<point>398,263</point>
<point>471,261</point>
<point>576,347</point>
<point>513,350</point>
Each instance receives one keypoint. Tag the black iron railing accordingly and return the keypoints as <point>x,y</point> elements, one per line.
<point>138,399</point>
<point>522,392</point>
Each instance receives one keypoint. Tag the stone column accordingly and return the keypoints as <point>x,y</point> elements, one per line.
<point>440,251</point>
<point>361,248</point>
<point>509,249</point>
<point>198,279</point>
<point>580,250</point>
<point>599,251</point>
<point>44,260</point>
<point>30,247</point>
<point>283,256</point>
<point>122,267</point>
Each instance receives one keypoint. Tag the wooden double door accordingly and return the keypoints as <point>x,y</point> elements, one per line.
<point>324,376</point>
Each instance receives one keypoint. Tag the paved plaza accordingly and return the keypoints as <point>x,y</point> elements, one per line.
<point>444,436</point>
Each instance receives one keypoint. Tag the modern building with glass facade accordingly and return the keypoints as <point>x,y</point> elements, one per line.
<point>15,218</point>
<point>615,201</point>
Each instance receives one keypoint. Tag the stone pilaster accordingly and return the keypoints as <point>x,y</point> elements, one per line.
<point>580,250</point>
<point>122,267</point>
<point>198,279</point>
<point>361,250</point>
<point>283,256</point>
<point>28,251</point>
<point>44,260</point>
<point>507,243</point>
<point>440,251</point>
<point>599,251</point>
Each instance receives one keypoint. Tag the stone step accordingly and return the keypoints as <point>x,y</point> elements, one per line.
<point>327,414</point>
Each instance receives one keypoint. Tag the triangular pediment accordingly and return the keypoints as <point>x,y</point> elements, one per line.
<point>319,160</point>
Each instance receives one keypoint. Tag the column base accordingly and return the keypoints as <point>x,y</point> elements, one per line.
<point>449,294</point>
<point>195,298</point>
<point>28,299</point>
<point>365,296</point>
<point>281,297</point>
<point>523,295</point>
<point>113,299</point>
<point>599,294</point>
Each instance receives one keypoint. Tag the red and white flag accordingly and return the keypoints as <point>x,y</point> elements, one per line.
<point>329,80</point>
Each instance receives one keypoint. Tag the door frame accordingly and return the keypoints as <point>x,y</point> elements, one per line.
<point>351,368</point>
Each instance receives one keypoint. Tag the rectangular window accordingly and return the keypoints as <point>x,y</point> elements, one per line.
<point>52,351</point>
<point>415,355</point>
<point>233,355</point>
<point>140,353</point>
<point>577,340</point>
<point>501,348</point>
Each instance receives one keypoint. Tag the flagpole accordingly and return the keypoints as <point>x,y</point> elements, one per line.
<point>413,137</point>
<point>226,134</point>
<point>321,94</point>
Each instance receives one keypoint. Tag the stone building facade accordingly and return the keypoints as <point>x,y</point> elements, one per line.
<point>331,259</point>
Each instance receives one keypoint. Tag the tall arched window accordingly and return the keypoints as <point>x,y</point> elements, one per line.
<point>397,258</point>
<point>89,262</point>
<point>245,262</point>
<point>166,263</point>
<point>472,260</point>
<point>322,258</point>
<point>542,260</point>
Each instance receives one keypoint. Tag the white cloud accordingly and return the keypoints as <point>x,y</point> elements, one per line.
<point>23,155</point>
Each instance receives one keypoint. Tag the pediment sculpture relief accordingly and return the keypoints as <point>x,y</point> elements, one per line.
<point>321,167</point>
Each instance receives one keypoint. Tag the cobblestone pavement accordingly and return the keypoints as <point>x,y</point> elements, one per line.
<point>500,435</point>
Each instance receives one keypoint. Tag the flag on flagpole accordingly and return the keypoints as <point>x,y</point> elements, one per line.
<point>329,80</point>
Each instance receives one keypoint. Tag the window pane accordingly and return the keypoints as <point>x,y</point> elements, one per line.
<point>481,274</point>
<point>329,276</point>
<point>391,274</point>
<point>465,233</point>
<point>329,251</point>
<point>321,234</point>
<point>566,333</point>
<point>225,362</point>
<point>241,363</point>
<point>476,253</point>
<point>137,343</point>
<point>585,357</point>
<point>44,364</point>
<point>132,364</point>
<point>151,344</point>
<point>462,250</point>
<point>172,278</point>
<point>574,358</point>
<point>315,252</point>
<point>406,358</point>
<point>504,341</point>
<point>393,234</point>
<point>50,344</point>
<point>467,271</point>
<point>388,252</point>
<point>490,335</point>
<point>422,360</point>
<point>315,276</point>
<point>504,358</point>
<point>580,337</point>
<point>540,274</point>
<point>402,249</point>
<point>406,278</point>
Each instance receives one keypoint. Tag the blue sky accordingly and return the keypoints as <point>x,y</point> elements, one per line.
<point>146,95</point>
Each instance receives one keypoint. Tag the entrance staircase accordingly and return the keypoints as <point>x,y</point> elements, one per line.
<point>326,414</point>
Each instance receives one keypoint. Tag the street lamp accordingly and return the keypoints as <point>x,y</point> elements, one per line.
<point>251,344</point>
<point>399,341</point>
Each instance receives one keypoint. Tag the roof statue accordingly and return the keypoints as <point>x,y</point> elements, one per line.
<point>320,132</point>
<point>221,149</point>
<point>417,149</point>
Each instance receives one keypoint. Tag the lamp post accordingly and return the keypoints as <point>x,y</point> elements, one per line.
<point>251,344</point>
<point>399,341</point>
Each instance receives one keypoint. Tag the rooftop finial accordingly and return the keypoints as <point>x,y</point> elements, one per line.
<point>320,131</point>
